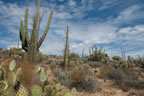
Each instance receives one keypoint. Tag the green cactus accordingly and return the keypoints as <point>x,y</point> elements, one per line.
<point>12,79</point>
<point>22,91</point>
<point>3,86</point>
<point>9,92</point>
<point>12,65</point>
<point>68,94</point>
<point>31,45</point>
<point>49,90</point>
<point>44,75</point>
<point>36,90</point>
<point>66,56</point>
<point>58,87</point>
<point>2,73</point>
<point>73,91</point>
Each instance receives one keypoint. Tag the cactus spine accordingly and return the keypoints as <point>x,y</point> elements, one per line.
<point>66,56</point>
<point>31,45</point>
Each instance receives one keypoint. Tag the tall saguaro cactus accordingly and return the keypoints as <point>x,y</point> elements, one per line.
<point>32,44</point>
<point>66,56</point>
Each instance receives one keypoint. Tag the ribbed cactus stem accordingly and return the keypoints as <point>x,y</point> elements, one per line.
<point>31,45</point>
<point>46,30</point>
<point>26,26</point>
<point>66,58</point>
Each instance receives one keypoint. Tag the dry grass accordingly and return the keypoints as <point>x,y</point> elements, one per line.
<point>28,72</point>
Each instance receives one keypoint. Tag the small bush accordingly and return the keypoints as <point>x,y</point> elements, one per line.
<point>117,58</point>
<point>74,56</point>
<point>80,78</point>
<point>125,79</point>
<point>95,64</point>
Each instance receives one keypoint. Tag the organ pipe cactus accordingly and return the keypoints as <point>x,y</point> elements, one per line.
<point>32,44</point>
<point>66,56</point>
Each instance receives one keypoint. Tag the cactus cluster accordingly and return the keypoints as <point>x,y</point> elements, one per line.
<point>70,93</point>
<point>31,44</point>
<point>9,82</point>
<point>98,54</point>
<point>13,74</point>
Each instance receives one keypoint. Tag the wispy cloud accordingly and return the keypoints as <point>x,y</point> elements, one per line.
<point>83,32</point>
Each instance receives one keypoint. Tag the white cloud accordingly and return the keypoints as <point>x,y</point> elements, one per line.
<point>129,14</point>
<point>108,3</point>
<point>83,33</point>
<point>72,3</point>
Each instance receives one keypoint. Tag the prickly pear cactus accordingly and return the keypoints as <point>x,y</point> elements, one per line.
<point>9,92</point>
<point>2,73</point>
<point>12,78</point>
<point>49,90</point>
<point>68,94</point>
<point>3,86</point>
<point>58,87</point>
<point>36,90</point>
<point>73,91</point>
<point>12,65</point>
<point>44,75</point>
<point>22,91</point>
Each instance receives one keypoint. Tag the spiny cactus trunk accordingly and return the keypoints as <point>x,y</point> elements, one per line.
<point>66,57</point>
<point>32,49</point>
<point>31,45</point>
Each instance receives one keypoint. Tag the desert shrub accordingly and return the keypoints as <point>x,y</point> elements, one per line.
<point>14,50</point>
<point>139,61</point>
<point>53,64</point>
<point>79,77</point>
<point>41,57</point>
<point>117,58</point>
<point>124,79</point>
<point>28,74</point>
<point>63,77</point>
<point>74,56</point>
<point>95,64</point>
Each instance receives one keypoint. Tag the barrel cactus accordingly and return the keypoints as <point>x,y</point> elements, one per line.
<point>36,90</point>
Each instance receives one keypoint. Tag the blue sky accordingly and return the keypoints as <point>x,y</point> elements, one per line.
<point>105,23</point>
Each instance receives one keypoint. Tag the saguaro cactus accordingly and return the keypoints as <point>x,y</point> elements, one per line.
<point>66,56</point>
<point>31,45</point>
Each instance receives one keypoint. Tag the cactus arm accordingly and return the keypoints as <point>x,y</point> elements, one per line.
<point>39,22</point>
<point>21,31</point>
<point>66,58</point>
<point>26,27</point>
<point>46,30</point>
<point>22,36</point>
